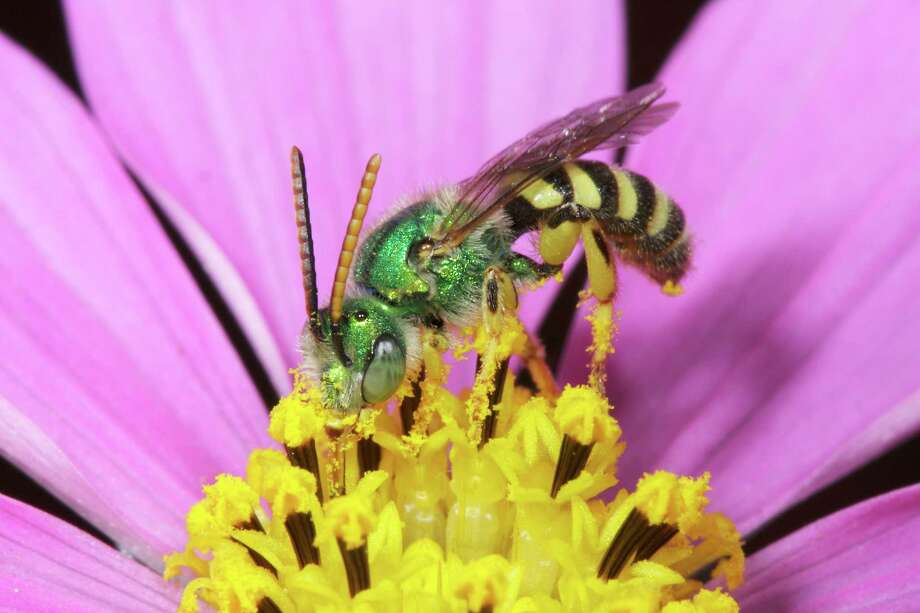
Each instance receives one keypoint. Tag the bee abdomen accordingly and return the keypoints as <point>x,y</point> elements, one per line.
<point>646,226</point>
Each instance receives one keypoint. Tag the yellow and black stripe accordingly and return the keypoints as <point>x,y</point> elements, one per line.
<point>600,203</point>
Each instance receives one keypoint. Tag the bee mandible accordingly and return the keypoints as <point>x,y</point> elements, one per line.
<point>427,264</point>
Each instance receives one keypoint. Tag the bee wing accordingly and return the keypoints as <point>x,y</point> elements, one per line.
<point>609,123</point>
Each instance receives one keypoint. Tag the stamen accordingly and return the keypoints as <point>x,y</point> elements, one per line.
<point>257,558</point>
<point>494,400</point>
<point>304,456</point>
<point>582,415</point>
<point>622,546</point>
<point>368,456</point>
<point>656,538</point>
<point>254,525</point>
<point>267,605</point>
<point>296,422</point>
<point>410,403</point>
<point>302,531</point>
<point>456,522</point>
<point>352,518</point>
<point>484,584</point>
<point>573,457</point>
<point>357,568</point>
<point>636,540</point>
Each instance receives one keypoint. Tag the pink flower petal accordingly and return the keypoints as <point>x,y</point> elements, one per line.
<point>48,565</point>
<point>205,100</point>
<point>119,391</point>
<point>866,558</point>
<point>792,358</point>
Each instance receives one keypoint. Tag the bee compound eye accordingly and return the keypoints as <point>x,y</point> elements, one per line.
<point>420,249</point>
<point>385,371</point>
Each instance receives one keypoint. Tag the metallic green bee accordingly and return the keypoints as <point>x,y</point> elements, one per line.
<point>428,264</point>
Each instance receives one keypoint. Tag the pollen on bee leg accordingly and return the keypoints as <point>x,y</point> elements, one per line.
<point>603,329</point>
<point>336,458</point>
<point>497,338</point>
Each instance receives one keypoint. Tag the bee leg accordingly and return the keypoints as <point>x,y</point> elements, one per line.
<point>498,336</point>
<point>528,272</point>
<point>602,284</point>
<point>541,375</point>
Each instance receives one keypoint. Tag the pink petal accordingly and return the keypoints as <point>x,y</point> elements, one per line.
<point>204,101</point>
<point>48,565</point>
<point>119,391</point>
<point>792,358</point>
<point>866,558</point>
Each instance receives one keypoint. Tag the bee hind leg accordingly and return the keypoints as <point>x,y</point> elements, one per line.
<point>602,285</point>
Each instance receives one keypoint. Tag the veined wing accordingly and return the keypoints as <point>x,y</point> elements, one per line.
<point>609,123</point>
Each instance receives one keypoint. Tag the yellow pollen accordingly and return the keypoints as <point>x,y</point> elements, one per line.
<point>351,518</point>
<point>444,520</point>
<point>297,418</point>
<point>603,329</point>
<point>583,414</point>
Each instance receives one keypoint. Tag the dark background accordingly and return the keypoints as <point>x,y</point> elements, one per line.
<point>653,29</point>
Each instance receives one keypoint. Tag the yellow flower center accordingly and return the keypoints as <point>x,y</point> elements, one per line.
<point>481,501</point>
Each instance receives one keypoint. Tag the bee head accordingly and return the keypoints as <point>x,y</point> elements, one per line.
<point>365,362</point>
<point>354,350</point>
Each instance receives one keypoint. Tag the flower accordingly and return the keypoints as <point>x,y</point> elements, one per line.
<point>459,507</point>
<point>789,361</point>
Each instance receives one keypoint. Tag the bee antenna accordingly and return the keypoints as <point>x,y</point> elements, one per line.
<point>348,249</point>
<point>305,238</point>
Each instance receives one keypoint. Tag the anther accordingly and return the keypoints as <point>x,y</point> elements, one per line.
<point>410,403</point>
<point>495,399</point>
<point>636,540</point>
<point>267,605</point>
<point>302,531</point>
<point>357,567</point>
<point>254,525</point>
<point>582,415</point>
<point>368,456</point>
<point>352,519</point>
<point>573,457</point>
<point>304,456</point>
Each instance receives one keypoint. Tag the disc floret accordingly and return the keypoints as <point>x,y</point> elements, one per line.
<point>445,521</point>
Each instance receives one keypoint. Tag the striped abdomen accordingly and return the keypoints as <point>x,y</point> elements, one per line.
<point>592,200</point>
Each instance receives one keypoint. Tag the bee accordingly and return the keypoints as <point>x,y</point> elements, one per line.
<point>433,262</point>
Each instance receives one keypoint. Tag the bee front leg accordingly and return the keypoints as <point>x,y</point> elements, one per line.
<point>499,335</point>
<point>526,271</point>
